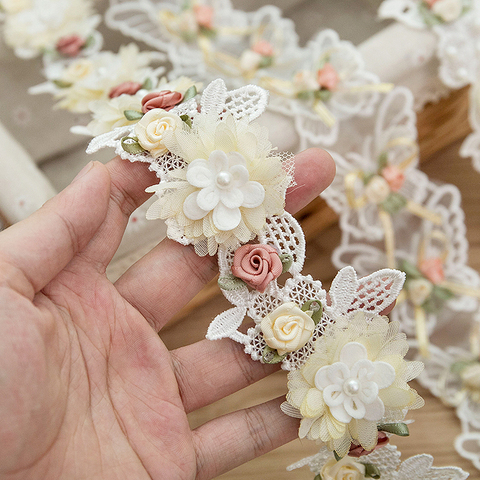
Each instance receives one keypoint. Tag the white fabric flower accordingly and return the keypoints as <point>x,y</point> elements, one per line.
<point>377,189</point>
<point>225,187</point>
<point>419,290</point>
<point>350,387</point>
<point>287,328</point>
<point>153,127</point>
<point>448,10</point>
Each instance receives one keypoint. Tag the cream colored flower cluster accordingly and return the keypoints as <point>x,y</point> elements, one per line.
<point>231,184</point>
<point>356,376</point>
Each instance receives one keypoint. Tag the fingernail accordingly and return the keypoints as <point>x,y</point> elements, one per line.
<point>83,171</point>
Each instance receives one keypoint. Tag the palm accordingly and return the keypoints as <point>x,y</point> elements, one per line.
<point>88,388</point>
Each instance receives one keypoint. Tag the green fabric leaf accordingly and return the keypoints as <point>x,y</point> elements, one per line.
<point>265,62</point>
<point>372,470</point>
<point>90,41</point>
<point>305,95</point>
<point>324,95</point>
<point>287,261</point>
<point>410,269</point>
<point>431,304</point>
<point>132,115</point>
<point>337,456</point>
<point>208,32</point>
<point>187,120</point>
<point>316,307</point>
<point>382,160</point>
<point>429,17</point>
<point>230,282</point>
<point>318,477</point>
<point>190,93</point>
<point>399,428</point>
<point>442,293</point>
<point>62,84</point>
<point>270,355</point>
<point>394,203</point>
<point>131,145</point>
<point>367,177</point>
<point>147,84</point>
<point>457,367</point>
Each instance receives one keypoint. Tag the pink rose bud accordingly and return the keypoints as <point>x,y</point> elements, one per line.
<point>263,48</point>
<point>327,77</point>
<point>70,46</point>
<point>203,15</point>
<point>257,265</point>
<point>164,99</point>
<point>432,268</point>
<point>430,2</point>
<point>358,451</point>
<point>129,88</point>
<point>394,177</point>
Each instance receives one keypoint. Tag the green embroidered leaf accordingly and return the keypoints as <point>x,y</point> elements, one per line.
<point>89,42</point>
<point>287,261</point>
<point>305,95</point>
<point>442,293</point>
<point>410,269</point>
<point>324,95</point>
<point>394,203</point>
<point>131,145</point>
<point>382,160</point>
<point>208,32</point>
<point>265,62</point>
<point>372,470</point>
<point>62,84</point>
<point>270,355</point>
<point>190,93</point>
<point>132,115</point>
<point>429,17</point>
<point>187,120</point>
<point>230,282</point>
<point>337,456</point>
<point>147,84</point>
<point>431,304</point>
<point>316,307</point>
<point>367,177</point>
<point>398,428</point>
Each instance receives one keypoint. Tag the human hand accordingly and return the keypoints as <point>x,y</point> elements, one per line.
<point>87,388</point>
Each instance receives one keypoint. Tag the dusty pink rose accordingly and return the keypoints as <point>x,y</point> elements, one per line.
<point>394,177</point>
<point>257,265</point>
<point>164,99</point>
<point>129,88</point>
<point>263,48</point>
<point>430,2</point>
<point>203,15</point>
<point>432,268</point>
<point>327,77</point>
<point>358,451</point>
<point>70,46</point>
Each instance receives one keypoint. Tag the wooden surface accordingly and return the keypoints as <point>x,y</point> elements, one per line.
<point>435,425</point>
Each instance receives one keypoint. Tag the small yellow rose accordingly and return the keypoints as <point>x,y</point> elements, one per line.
<point>419,290</point>
<point>151,130</point>
<point>345,469</point>
<point>377,189</point>
<point>287,328</point>
<point>78,70</point>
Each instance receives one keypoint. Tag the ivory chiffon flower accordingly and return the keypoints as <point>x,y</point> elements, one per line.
<point>287,328</point>
<point>230,183</point>
<point>356,376</point>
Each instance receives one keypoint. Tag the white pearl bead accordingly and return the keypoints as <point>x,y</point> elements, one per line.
<point>223,179</point>
<point>351,387</point>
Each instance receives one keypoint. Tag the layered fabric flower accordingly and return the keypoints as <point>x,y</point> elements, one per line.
<point>355,378</point>
<point>230,184</point>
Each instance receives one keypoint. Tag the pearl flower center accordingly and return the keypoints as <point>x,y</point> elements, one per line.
<point>223,179</point>
<point>351,387</point>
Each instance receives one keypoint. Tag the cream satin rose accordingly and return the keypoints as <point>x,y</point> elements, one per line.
<point>153,127</point>
<point>419,290</point>
<point>78,70</point>
<point>448,10</point>
<point>377,189</point>
<point>345,469</point>
<point>287,328</point>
